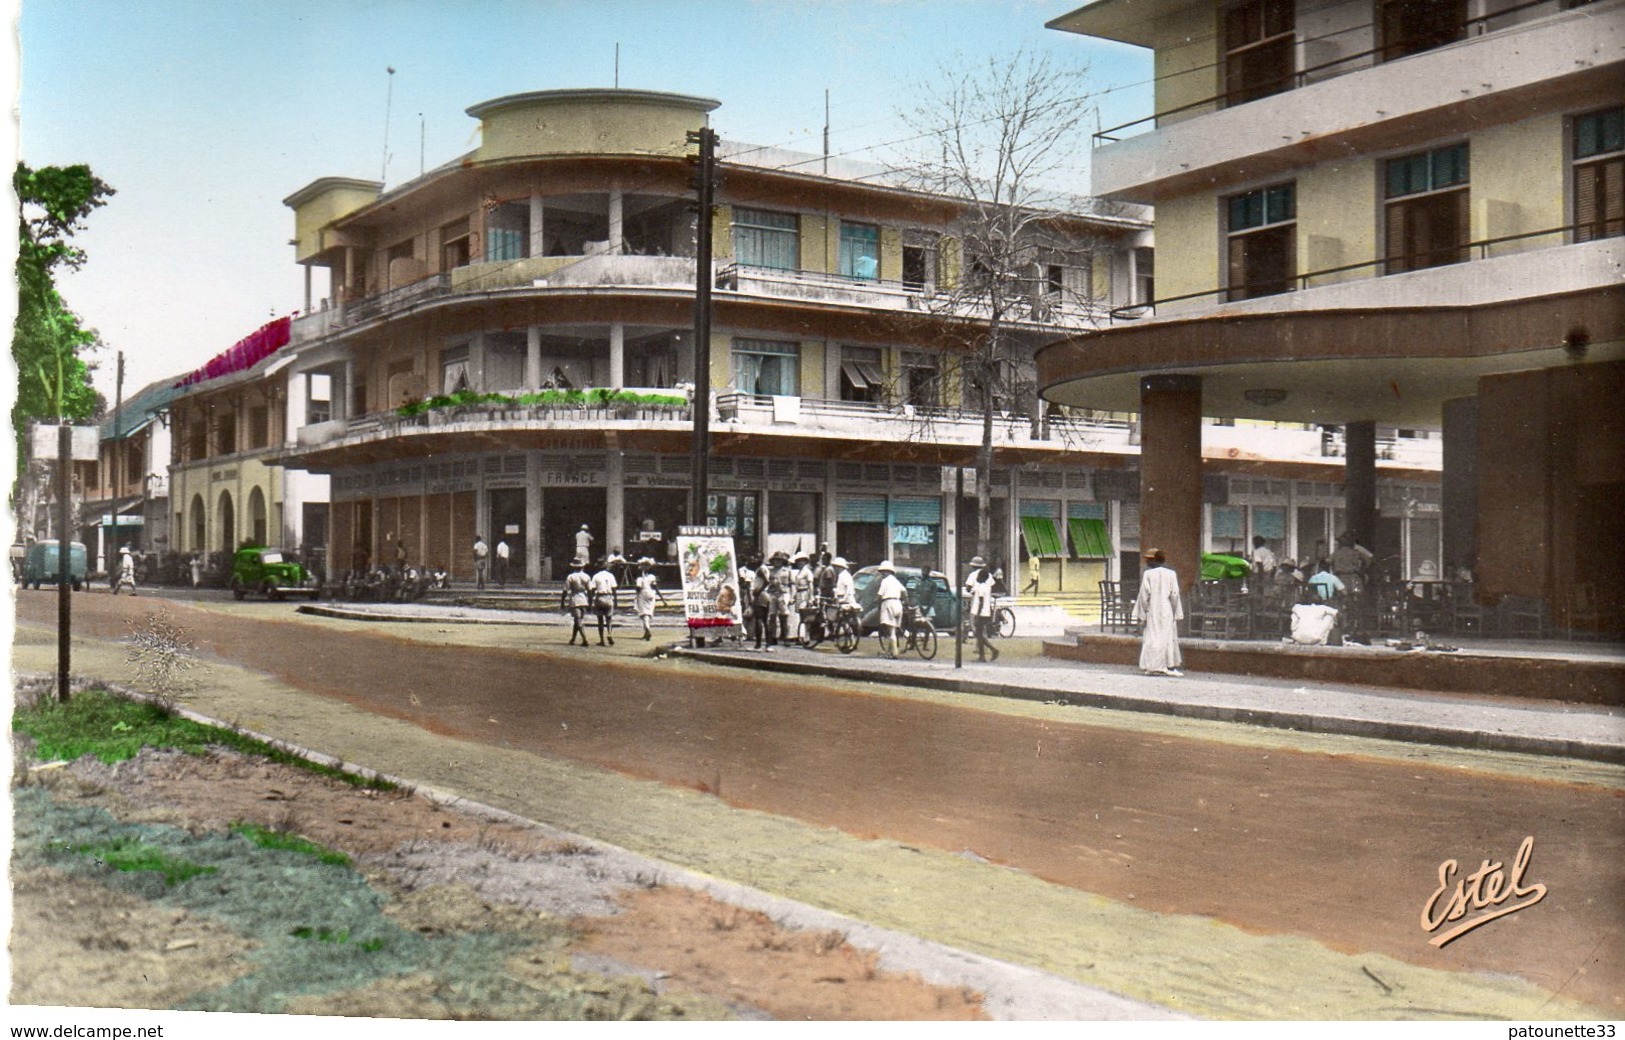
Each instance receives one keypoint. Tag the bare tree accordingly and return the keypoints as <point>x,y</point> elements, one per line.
<point>1005,136</point>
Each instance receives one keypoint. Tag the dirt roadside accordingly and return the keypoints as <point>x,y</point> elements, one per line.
<point>1193,963</point>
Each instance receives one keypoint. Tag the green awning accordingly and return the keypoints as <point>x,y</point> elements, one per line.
<point>1043,539</point>
<point>1089,538</point>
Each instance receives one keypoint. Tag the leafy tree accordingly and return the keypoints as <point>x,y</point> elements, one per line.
<point>1003,135</point>
<point>48,342</point>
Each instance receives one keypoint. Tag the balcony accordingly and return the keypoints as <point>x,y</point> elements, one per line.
<point>1525,265</point>
<point>1561,59</point>
<point>518,412</point>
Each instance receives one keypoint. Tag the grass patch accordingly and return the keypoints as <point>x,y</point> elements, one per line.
<point>113,728</point>
<point>266,838</point>
<point>132,854</point>
<point>336,935</point>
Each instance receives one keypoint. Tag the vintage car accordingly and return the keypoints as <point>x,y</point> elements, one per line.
<point>42,563</point>
<point>259,568</point>
<point>931,592</point>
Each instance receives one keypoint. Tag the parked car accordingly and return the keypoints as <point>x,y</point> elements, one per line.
<point>271,571</point>
<point>931,591</point>
<point>42,564</point>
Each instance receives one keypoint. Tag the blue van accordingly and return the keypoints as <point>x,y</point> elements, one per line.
<point>42,566</point>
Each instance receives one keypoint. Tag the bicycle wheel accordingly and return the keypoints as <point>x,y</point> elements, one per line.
<point>846,636</point>
<point>1006,626</point>
<point>925,640</point>
<point>809,636</point>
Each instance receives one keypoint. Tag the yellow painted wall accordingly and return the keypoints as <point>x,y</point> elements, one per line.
<point>1518,178</point>
<point>1186,59</point>
<point>1188,247</point>
<point>817,243</point>
<point>595,123</point>
<point>812,368</point>
<point>1338,216</point>
<point>722,363</point>
<point>310,217</point>
<point>722,239</point>
<point>891,253</point>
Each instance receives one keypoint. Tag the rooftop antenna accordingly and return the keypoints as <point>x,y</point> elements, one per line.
<point>422,133</point>
<point>389,100</point>
<point>826,131</point>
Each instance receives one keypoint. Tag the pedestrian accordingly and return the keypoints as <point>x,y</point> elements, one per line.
<point>584,543</point>
<point>843,591</point>
<point>781,598</point>
<point>400,558</point>
<point>1033,570</point>
<point>574,598</point>
<point>125,577</point>
<point>502,562</point>
<point>197,570</point>
<point>890,594</point>
<point>603,603</point>
<point>648,591</point>
<point>1349,562</point>
<point>1159,611</point>
<point>749,616</point>
<point>1263,558</point>
<point>801,582</point>
<point>979,590</point>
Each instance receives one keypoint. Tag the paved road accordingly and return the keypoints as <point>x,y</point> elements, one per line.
<point>1295,838</point>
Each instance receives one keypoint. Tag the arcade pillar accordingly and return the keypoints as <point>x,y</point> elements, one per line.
<point>1171,471</point>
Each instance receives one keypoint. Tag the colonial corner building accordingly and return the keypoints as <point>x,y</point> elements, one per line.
<point>504,346</point>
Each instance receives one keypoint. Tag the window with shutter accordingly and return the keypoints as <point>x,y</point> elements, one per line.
<point>1599,175</point>
<point>1259,45</point>
<point>1426,219</point>
<point>1262,245</point>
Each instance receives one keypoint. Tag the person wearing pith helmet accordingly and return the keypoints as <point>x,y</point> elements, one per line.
<point>845,592</point>
<point>978,591</point>
<point>890,594</point>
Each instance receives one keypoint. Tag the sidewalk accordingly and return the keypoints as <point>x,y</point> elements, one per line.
<point>1477,721</point>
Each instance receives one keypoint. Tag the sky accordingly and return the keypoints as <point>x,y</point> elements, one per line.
<point>204,116</point>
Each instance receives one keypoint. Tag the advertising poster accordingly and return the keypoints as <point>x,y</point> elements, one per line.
<point>710,572</point>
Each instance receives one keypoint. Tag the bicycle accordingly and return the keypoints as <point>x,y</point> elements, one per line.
<point>920,634</point>
<point>846,629</point>
<point>1004,620</point>
<point>814,625</point>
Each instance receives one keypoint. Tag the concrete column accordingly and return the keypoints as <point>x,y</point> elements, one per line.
<point>1460,483</point>
<point>1171,471</point>
<point>343,397</point>
<point>617,201</point>
<point>533,357</point>
<point>1360,481</point>
<point>950,527</point>
<point>536,214</point>
<point>615,504</point>
<point>307,288</point>
<point>617,356</point>
<point>533,517</point>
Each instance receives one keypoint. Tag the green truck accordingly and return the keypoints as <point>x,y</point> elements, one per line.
<point>259,568</point>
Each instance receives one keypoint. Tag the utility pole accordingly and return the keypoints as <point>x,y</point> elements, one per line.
<point>64,556</point>
<point>116,458</point>
<point>705,185</point>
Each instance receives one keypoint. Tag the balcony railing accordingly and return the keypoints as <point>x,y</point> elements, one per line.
<point>1481,249</point>
<point>1471,27</point>
<point>513,411</point>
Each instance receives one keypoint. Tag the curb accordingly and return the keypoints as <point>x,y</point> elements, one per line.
<point>1402,732</point>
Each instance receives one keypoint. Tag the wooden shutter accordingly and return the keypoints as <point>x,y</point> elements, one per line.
<point>1395,246</point>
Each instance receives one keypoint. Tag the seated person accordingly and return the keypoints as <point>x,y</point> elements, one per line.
<point>1315,623</point>
<point>1325,582</point>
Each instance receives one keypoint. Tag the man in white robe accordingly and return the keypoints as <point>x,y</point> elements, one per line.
<point>1159,611</point>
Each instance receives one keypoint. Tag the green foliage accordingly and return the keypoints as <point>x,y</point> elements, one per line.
<point>598,397</point>
<point>48,343</point>
<point>321,933</point>
<point>266,838</point>
<point>114,728</point>
<point>133,854</point>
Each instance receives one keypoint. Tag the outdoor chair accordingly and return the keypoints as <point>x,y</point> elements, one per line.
<point>1467,615</point>
<point>1586,616</point>
<point>1116,610</point>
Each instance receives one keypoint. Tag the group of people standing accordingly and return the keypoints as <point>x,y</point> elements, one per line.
<point>784,587</point>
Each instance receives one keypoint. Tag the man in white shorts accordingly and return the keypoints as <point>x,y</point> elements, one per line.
<point>890,594</point>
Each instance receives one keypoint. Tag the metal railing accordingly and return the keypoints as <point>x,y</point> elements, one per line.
<point>1300,282</point>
